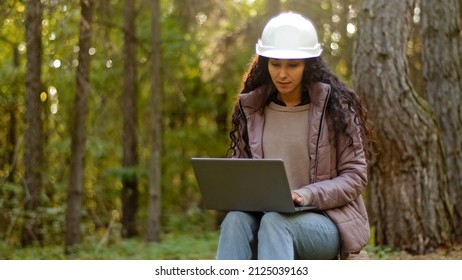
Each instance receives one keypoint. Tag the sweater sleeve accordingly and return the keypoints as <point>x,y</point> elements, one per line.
<point>305,194</point>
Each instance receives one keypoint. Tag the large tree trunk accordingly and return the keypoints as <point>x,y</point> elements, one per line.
<point>156,126</point>
<point>34,127</point>
<point>129,137</point>
<point>442,72</point>
<point>409,191</point>
<point>76,176</point>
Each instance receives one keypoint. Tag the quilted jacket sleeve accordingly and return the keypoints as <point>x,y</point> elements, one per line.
<point>347,175</point>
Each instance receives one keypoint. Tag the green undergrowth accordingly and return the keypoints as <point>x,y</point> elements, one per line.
<point>188,246</point>
<point>380,253</point>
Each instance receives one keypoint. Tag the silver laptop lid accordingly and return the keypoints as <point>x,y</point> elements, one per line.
<point>244,184</point>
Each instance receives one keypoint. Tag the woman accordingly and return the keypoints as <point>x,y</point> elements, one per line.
<point>293,107</point>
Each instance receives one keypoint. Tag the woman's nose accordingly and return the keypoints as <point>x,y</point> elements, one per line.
<point>283,72</point>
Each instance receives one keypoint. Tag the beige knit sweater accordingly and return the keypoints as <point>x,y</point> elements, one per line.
<point>285,136</point>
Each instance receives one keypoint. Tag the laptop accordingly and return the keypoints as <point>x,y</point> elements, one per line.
<point>254,185</point>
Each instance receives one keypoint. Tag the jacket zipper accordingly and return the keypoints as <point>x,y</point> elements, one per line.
<point>313,180</point>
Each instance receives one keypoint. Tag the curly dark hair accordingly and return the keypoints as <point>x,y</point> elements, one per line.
<point>315,70</point>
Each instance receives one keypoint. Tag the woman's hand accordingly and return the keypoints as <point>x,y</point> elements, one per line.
<point>297,199</point>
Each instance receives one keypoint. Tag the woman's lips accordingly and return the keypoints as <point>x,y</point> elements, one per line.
<point>283,84</point>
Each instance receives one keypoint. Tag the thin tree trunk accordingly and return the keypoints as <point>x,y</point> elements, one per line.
<point>274,7</point>
<point>156,125</point>
<point>76,176</point>
<point>408,183</point>
<point>442,72</point>
<point>34,127</point>
<point>12,130</point>
<point>129,137</point>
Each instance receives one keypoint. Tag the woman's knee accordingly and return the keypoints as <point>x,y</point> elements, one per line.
<point>273,221</point>
<point>239,219</point>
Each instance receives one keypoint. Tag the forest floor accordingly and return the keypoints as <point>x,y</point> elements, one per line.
<point>374,253</point>
<point>184,246</point>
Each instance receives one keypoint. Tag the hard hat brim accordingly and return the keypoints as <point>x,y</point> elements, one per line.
<point>287,54</point>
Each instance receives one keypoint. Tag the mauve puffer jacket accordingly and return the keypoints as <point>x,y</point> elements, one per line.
<point>338,174</point>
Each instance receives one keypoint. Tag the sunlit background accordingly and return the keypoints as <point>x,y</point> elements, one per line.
<point>206,47</point>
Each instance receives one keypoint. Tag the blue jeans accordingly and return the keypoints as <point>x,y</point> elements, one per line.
<point>277,236</point>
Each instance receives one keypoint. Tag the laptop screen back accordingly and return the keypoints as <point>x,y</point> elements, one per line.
<point>243,184</point>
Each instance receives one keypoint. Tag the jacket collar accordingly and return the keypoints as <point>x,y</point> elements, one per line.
<point>255,101</point>
<point>318,93</point>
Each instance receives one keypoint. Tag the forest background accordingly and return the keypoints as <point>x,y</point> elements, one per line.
<point>151,103</point>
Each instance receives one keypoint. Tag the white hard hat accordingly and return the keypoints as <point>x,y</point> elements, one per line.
<point>289,36</point>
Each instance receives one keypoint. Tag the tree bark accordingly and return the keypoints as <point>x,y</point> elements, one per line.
<point>156,126</point>
<point>34,126</point>
<point>13,122</point>
<point>274,8</point>
<point>409,190</point>
<point>129,136</point>
<point>442,73</point>
<point>77,162</point>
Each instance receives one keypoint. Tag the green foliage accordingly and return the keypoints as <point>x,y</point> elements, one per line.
<point>381,253</point>
<point>173,247</point>
<point>205,46</point>
<point>129,174</point>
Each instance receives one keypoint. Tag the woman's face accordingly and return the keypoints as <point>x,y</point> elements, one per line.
<point>286,75</point>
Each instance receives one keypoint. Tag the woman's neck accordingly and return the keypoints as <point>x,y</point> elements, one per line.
<point>291,100</point>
